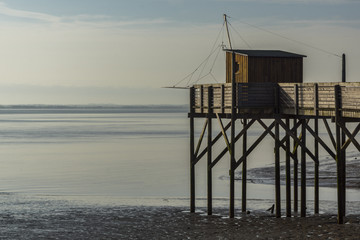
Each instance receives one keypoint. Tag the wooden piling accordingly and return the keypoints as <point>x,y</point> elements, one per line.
<point>316,149</point>
<point>339,165</point>
<point>287,169</point>
<point>343,137</point>
<point>295,153</point>
<point>277,171</point>
<point>244,169</point>
<point>209,152</point>
<point>343,155</point>
<point>316,169</point>
<point>296,99</point>
<point>192,149</point>
<point>340,161</point>
<point>303,169</point>
<point>232,145</point>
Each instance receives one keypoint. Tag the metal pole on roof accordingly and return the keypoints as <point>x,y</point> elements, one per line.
<point>343,68</point>
<point>227,30</point>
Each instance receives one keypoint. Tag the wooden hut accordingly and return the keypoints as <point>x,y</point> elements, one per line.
<point>255,66</point>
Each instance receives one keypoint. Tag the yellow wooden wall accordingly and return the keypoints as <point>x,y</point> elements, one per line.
<point>241,75</point>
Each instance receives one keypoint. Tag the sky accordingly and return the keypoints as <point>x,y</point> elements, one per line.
<point>124,51</point>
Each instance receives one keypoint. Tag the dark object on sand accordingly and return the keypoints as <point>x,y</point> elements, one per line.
<point>271,209</point>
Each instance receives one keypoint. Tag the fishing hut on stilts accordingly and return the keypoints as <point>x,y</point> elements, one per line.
<point>268,85</point>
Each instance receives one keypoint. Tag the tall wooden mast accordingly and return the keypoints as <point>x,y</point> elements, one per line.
<point>227,30</point>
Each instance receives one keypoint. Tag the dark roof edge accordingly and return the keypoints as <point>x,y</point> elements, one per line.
<point>264,53</point>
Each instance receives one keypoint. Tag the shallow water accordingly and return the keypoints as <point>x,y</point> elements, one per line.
<point>117,157</point>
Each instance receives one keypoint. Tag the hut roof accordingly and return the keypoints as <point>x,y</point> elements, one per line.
<point>265,53</point>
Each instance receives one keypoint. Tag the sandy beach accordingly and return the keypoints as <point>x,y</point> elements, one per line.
<point>169,223</point>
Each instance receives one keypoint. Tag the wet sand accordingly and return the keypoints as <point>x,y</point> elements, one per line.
<point>169,223</point>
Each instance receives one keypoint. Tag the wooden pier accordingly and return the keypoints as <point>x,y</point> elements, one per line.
<point>297,109</point>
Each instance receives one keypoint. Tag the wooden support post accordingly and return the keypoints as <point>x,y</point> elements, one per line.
<point>316,99</point>
<point>343,155</point>
<point>295,171</point>
<point>288,176</point>
<point>277,171</point>
<point>343,68</point>
<point>303,169</point>
<point>340,161</point>
<point>343,137</point>
<point>316,149</point>
<point>232,145</point>
<point>296,99</point>
<point>192,148</point>
<point>222,98</point>
<point>209,152</point>
<point>316,170</point>
<point>277,99</point>
<point>339,176</point>
<point>202,99</point>
<point>244,169</point>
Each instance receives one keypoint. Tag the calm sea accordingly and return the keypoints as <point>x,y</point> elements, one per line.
<point>115,154</point>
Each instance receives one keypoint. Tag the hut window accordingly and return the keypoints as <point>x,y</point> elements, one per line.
<point>237,67</point>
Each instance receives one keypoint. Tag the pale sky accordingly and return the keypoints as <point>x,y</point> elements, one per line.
<point>124,51</point>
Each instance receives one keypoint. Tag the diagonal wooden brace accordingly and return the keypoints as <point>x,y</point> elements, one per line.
<point>225,150</point>
<point>347,143</point>
<point>292,155</point>
<point>331,153</point>
<point>253,146</point>
<point>224,133</point>
<point>197,158</point>
<point>291,134</point>
<point>201,138</point>
<point>330,133</point>
<point>350,136</point>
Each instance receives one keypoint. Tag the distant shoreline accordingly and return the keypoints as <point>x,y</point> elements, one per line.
<point>92,108</point>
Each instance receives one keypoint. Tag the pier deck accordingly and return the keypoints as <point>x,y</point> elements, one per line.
<point>305,99</point>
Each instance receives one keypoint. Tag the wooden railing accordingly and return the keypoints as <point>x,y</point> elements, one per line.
<point>285,98</point>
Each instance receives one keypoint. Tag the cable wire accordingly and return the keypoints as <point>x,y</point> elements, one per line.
<point>203,62</point>
<point>247,44</point>
<point>290,39</point>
